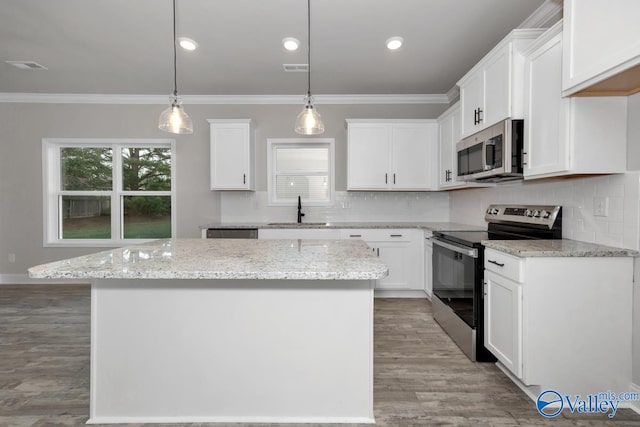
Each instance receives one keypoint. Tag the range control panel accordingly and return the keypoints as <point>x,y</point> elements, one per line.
<point>526,214</point>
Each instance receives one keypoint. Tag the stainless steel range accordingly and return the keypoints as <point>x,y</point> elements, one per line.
<point>458,269</point>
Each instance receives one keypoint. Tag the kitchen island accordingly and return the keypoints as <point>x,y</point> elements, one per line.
<point>193,330</point>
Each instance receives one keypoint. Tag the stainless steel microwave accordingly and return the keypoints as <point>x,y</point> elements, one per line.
<point>492,155</point>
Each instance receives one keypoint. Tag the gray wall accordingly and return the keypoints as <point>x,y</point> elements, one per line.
<point>24,125</point>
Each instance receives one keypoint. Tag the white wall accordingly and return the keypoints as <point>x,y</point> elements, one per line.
<point>24,125</point>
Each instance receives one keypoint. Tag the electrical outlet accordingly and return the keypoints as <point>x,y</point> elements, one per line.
<point>600,206</point>
<point>12,258</point>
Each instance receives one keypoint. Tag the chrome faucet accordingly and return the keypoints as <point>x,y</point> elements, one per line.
<point>300,214</point>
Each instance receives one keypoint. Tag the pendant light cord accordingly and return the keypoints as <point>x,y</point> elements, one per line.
<point>309,50</point>
<point>175,56</point>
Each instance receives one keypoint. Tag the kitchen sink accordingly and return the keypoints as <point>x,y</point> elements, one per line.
<point>299,224</point>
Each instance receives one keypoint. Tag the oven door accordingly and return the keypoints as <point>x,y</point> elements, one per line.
<point>455,278</point>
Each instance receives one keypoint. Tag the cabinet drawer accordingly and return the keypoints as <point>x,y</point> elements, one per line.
<point>378,235</point>
<point>506,265</point>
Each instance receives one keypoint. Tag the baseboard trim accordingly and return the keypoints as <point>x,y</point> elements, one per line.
<point>24,279</point>
<point>634,404</point>
<point>227,419</point>
<point>383,293</point>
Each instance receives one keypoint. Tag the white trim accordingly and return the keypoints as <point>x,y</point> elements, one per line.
<point>385,293</point>
<point>24,279</point>
<point>543,15</point>
<point>243,420</point>
<point>453,94</point>
<point>79,98</point>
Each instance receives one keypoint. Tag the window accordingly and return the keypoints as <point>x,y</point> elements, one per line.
<point>300,167</point>
<point>100,192</point>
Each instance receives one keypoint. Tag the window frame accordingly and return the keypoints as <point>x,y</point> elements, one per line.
<point>52,189</point>
<point>273,143</point>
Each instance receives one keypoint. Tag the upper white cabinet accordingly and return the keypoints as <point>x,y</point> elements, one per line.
<point>601,47</point>
<point>392,154</point>
<point>448,137</point>
<point>232,154</point>
<point>492,90</point>
<point>566,136</point>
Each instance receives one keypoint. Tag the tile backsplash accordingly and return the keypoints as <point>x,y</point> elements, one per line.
<point>577,196</point>
<point>346,207</point>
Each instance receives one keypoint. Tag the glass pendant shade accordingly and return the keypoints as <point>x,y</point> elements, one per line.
<point>175,120</point>
<point>309,121</point>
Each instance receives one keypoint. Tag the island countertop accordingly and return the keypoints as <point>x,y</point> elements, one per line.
<point>224,259</point>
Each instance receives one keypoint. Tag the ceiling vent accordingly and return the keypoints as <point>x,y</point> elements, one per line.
<point>26,65</point>
<point>296,68</point>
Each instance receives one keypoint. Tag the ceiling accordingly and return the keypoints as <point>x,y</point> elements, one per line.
<point>125,46</point>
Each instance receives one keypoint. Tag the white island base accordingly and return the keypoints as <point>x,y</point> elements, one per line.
<point>228,350</point>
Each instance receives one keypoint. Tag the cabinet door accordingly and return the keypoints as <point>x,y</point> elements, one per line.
<point>230,156</point>
<point>497,90</point>
<point>602,39</point>
<point>545,143</point>
<point>413,156</point>
<point>368,156</point>
<point>395,256</point>
<point>503,321</point>
<point>449,136</point>
<point>472,99</point>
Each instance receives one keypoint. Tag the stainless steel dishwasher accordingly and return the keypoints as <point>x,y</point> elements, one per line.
<point>232,233</point>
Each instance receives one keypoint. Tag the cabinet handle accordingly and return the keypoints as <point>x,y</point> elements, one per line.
<point>480,118</point>
<point>394,178</point>
<point>524,153</point>
<point>378,251</point>
<point>355,235</point>
<point>244,178</point>
<point>385,178</point>
<point>395,235</point>
<point>475,116</point>
<point>499,264</point>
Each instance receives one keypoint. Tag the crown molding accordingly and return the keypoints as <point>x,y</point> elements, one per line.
<point>70,98</point>
<point>548,13</point>
<point>453,94</point>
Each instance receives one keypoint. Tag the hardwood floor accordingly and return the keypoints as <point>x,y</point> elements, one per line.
<point>421,377</point>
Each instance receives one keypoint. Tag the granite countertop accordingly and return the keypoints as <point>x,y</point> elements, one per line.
<point>224,259</point>
<point>432,226</point>
<point>556,248</point>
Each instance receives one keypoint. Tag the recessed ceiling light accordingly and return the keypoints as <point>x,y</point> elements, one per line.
<point>187,43</point>
<point>394,43</point>
<point>290,43</point>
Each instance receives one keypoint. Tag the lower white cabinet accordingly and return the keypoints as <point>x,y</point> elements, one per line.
<point>503,321</point>
<point>402,250</point>
<point>561,323</point>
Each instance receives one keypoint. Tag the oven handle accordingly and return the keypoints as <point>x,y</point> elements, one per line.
<point>459,249</point>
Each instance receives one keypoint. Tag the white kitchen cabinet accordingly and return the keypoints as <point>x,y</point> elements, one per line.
<point>299,233</point>
<point>565,136</point>
<point>391,155</point>
<point>551,321</point>
<point>492,90</point>
<point>232,154</point>
<point>601,47</point>
<point>401,250</point>
<point>503,320</point>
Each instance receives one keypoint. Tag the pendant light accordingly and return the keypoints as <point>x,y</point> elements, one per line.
<point>309,121</point>
<point>174,119</point>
